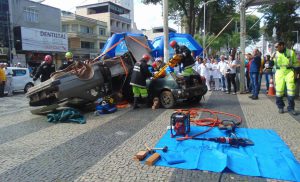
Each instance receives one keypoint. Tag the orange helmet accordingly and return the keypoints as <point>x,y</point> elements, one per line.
<point>48,59</point>
<point>146,57</point>
<point>173,43</point>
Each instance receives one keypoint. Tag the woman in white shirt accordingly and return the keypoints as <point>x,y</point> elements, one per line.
<point>231,73</point>
<point>216,74</point>
<point>204,71</point>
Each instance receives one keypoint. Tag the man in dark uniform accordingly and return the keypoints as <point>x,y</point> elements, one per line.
<point>45,69</point>
<point>69,58</point>
<point>138,80</point>
<point>187,60</point>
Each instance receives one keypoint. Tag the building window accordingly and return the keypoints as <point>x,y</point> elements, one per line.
<point>87,45</point>
<point>74,28</point>
<point>118,24</point>
<point>31,15</point>
<point>101,45</point>
<point>85,29</point>
<point>102,31</point>
<point>65,28</point>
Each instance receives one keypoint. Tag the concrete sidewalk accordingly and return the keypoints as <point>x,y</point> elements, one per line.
<point>102,150</point>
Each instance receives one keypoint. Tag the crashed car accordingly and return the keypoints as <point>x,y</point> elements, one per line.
<point>173,88</point>
<point>83,83</point>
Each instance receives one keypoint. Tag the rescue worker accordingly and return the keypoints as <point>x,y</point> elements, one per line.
<point>285,60</point>
<point>2,79</point>
<point>157,66</point>
<point>69,61</point>
<point>187,61</point>
<point>45,69</point>
<point>138,80</point>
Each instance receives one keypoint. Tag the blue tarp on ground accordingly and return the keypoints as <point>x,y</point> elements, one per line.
<point>270,157</point>
<point>121,48</point>
<point>181,39</point>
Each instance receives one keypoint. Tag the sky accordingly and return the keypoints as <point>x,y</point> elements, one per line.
<point>146,16</point>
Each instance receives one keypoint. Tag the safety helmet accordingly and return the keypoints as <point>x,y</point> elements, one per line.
<point>69,55</point>
<point>173,43</point>
<point>158,59</point>
<point>48,59</point>
<point>154,65</point>
<point>146,57</point>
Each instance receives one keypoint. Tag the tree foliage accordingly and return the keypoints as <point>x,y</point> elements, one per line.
<point>282,16</point>
<point>218,14</point>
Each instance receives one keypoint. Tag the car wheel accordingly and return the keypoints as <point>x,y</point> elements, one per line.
<point>167,99</point>
<point>27,86</point>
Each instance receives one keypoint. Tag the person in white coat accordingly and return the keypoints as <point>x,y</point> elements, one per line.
<point>204,71</point>
<point>216,74</point>
<point>223,69</point>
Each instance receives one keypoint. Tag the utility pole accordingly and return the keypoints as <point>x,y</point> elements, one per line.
<point>204,53</point>
<point>166,31</point>
<point>10,28</point>
<point>9,39</point>
<point>243,44</point>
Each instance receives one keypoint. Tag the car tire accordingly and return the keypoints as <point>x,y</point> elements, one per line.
<point>27,86</point>
<point>167,99</point>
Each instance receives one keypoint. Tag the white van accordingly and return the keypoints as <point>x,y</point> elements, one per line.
<point>20,79</point>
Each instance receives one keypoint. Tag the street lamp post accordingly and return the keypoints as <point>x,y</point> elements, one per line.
<point>204,9</point>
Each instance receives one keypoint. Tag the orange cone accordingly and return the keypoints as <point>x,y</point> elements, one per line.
<point>271,91</point>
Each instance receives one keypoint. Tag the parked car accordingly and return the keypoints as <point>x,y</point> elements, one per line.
<point>20,79</point>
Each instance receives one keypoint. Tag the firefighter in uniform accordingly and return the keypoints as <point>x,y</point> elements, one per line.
<point>69,58</point>
<point>187,60</point>
<point>45,69</point>
<point>285,60</point>
<point>138,80</point>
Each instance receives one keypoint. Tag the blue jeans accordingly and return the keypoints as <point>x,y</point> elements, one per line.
<point>223,80</point>
<point>254,80</point>
<point>259,81</point>
<point>268,76</point>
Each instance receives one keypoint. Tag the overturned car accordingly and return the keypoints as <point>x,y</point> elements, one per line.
<point>82,83</point>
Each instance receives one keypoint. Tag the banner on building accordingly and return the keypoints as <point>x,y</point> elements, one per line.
<point>43,40</point>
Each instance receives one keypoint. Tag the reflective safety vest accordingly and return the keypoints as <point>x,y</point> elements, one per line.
<point>287,59</point>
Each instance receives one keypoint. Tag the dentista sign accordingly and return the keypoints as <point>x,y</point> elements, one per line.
<point>43,40</point>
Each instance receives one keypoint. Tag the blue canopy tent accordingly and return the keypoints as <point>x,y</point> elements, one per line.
<point>181,39</point>
<point>121,48</point>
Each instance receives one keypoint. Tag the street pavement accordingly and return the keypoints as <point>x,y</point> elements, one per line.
<point>102,149</point>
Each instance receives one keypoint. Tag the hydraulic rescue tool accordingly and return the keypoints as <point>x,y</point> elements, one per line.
<point>234,142</point>
<point>172,63</point>
<point>180,123</point>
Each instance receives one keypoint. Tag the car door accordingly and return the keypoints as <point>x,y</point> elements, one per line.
<point>18,79</point>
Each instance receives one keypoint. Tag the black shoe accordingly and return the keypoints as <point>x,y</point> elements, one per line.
<point>293,112</point>
<point>254,98</point>
<point>281,111</point>
<point>135,103</point>
<point>251,96</point>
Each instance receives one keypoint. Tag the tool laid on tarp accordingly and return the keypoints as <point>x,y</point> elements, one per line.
<point>180,123</point>
<point>270,157</point>
<point>234,142</point>
<point>193,115</point>
<point>66,115</point>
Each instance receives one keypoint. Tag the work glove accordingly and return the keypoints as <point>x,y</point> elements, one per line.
<point>169,69</point>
